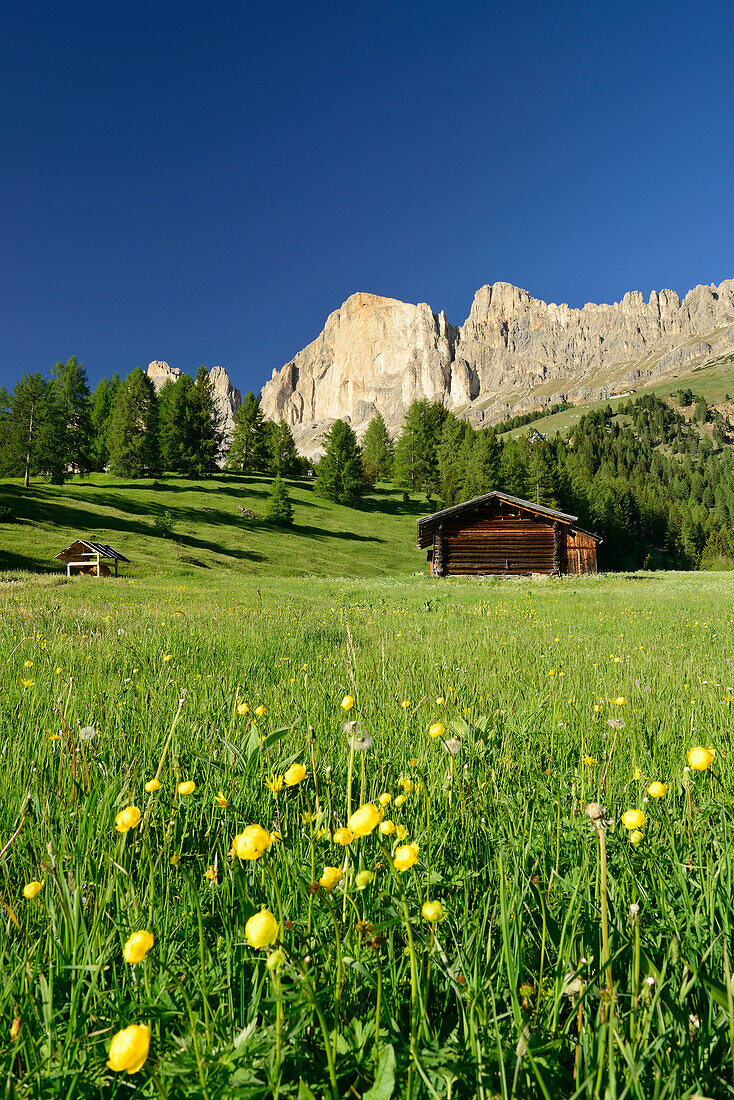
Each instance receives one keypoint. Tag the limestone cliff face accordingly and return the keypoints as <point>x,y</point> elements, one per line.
<point>227,399</point>
<point>513,353</point>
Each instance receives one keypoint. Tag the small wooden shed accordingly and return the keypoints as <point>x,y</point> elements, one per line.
<point>501,534</point>
<point>90,558</point>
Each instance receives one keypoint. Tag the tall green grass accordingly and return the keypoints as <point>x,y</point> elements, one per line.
<point>506,996</point>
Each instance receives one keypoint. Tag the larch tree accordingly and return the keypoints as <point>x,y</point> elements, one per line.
<point>339,475</point>
<point>133,433</point>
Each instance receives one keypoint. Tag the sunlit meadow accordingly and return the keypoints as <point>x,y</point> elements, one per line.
<point>405,838</point>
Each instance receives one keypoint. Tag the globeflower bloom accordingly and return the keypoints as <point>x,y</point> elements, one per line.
<point>633,819</point>
<point>436,730</point>
<point>242,708</point>
<point>295,775</point>
<point>129,1049</point>
<point>127,819</point>
<point>187,788</point>
<point>32,888</point>
<point>261,710</point>
<point>363,879</point>
<point>347,702</point>
<point>636,837</point>
<point>343,836</point>
<point>137,947</point>
<point>657,790</point>
<point>261,929</point>
<point>152,785</point>
<point>364,820</point>
<point>251,842</point>
<point>331,877</point>
<point>384,799</point>
<point>432,911</point>
<point>405,856</point>
<point>387,827</point>
<point>701,758</point>
<point>620,700</point>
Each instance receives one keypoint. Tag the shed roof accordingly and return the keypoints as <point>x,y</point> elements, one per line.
<point>427,523</point>
<point>81,545</point>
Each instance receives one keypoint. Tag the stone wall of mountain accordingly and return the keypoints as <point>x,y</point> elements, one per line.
<point>512,354</point>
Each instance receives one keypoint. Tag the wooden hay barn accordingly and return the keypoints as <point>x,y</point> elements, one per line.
<point>90,558</point>
<point>501,534</point>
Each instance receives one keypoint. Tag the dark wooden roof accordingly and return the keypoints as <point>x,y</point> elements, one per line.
<point>426,524</point>
<point>83,546</point>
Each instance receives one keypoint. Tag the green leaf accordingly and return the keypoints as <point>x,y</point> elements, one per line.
<point>304,1092</point>
<point>384,1078</point>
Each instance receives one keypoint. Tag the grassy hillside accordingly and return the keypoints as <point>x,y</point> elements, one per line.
<point>209,533</point>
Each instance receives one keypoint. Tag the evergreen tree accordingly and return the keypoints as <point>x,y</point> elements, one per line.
<point>278,509</point>
<point>34,433</point>
<point>208,433</point>
<point>378,452</point>
<point>339,475</point>
<point>133,433</point>
<point>481,464</point>
<point>542,474</point>
<point>452,453</point>
<point>416,453</point>
<point>100,409</point>
<point>74,408</point>
<point>282,448</point>
<point>249,452</point>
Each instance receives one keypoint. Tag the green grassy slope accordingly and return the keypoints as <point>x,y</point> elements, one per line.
<point>712,379</point>
<point>209,532</point>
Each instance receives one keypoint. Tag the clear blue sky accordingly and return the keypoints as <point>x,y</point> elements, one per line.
<point>205,182</point>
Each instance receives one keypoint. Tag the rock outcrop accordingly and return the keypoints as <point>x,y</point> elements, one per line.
<point>513,353</point>
<point>227,399</point>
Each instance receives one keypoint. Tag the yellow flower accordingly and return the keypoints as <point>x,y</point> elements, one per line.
<point>28,664</point>
<point>384,799</point>
<point>32,888</point>
<point>400,800</point>
<point>261,929</point>
<point>551,672</point>
<point>58,671</point>
<point>167,656</point>
<point>127,819</point>
<point>347,702</point>
<point>295,775</point>
<point>54,736</point>
<point>436,730</point>
<point>440,700</point>
<point>242,708</point>
<point>275,960</point>
<point>633,819</point>
<point>27,683</point>
<point>405,784</point>
<point>387,827</point>
<point>152,786</point>
<point>701,758</point>
<point>590,760</point>
<point>432,911</point>
<point>657,790</point>
<point>413,762</point>
<point>401,832</point>
<point>274,784</point>
<point>210,873</point>
<point>363,879</point>
<point>251,842</point>
<point>343,836</point>
<point>364,820</point>
<point>175,860</point>
<point>259,711</point>
<point>221,801</point>
<point>638,775</point>
<point>620,700</point>
<point>187,788</point>
<point>636,837</point>
<point>137,946</point>
<point>405,856</point>
<point>129,1049</point>
<point>405,704</point>
<point>330,878</point>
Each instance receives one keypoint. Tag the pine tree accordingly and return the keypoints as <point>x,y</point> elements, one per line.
<point>248,452</point>
<point>34,433</point>
<point>208,434</point>
<point>178,426</point>
<point>378,453</point>
<point>72,394</point>
<point>339,475</point>
<point>278,509</point>
<point>416,453</point>
<point>133,434</point>
<point>282,448</point>
<point>481,465</point>
<point>451,457</point>
<point>100,408</point>
<point>542,474</point>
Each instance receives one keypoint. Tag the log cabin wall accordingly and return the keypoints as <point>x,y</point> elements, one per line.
<point>500,543</point>
<point>580,552</point>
